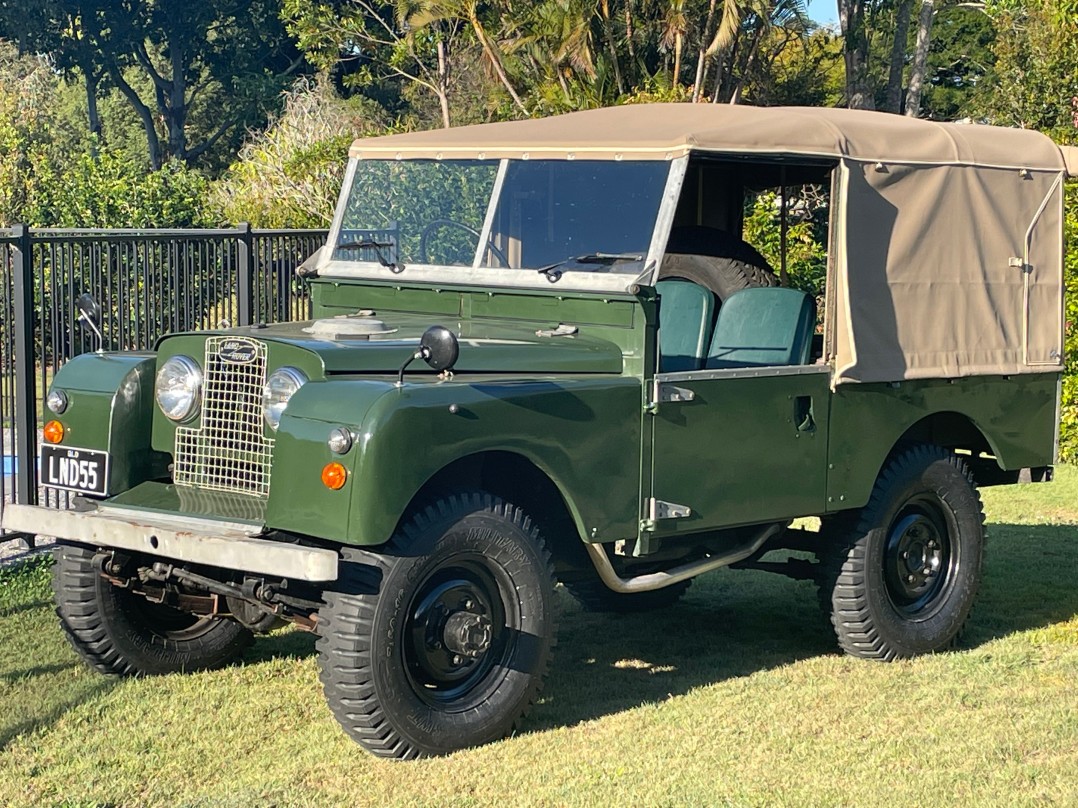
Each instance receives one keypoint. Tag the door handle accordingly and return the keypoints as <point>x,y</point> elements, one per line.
<point>803,419</point>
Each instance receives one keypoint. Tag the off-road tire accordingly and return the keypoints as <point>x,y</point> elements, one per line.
<point>122,634</point>
<point>595,596</point>
<point>899,576</point>
<point>723,276</point>
<point>386,664</point>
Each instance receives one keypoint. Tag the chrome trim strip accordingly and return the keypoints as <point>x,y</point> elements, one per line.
<point>665,220</point>
<point>492,208</point>
<point>660,580</point>
<point>743,373</point>
<point>437,275</point>
<point>159,537</point>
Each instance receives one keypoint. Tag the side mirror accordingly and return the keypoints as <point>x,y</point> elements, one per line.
<point>438,347</point>
<point>90,315</point>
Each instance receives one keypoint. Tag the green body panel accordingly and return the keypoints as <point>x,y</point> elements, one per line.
<point>742,450</point>
<point>111,407</point>
<point>302,503</point>
<point>1016,415</point>
<point>584,433</point>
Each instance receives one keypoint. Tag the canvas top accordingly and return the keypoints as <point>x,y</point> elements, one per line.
<point>666,131</point>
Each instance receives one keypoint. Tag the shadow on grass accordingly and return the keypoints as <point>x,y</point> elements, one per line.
<point>734,624</point>
<point>11,732</point>
<point>1029,581</point>
<point>37,670</point>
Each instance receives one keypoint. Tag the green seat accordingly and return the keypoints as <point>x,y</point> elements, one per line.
<point>686,312</point>
<point>763,326</point>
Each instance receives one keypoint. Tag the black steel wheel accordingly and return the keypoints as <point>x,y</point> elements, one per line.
<point>120,633</point>
<point>441,639</point>
<point>899,577</point>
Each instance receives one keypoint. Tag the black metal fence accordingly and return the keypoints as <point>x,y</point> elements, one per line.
<point>149,283</point>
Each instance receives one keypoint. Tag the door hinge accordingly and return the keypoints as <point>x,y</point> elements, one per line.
<point>658,509</point>
<point>666,393</point>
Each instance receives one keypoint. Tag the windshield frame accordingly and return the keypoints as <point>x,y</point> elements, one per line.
<point>477,275</point>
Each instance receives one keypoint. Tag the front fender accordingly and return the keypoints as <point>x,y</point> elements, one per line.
<point>111,406</point>
<point>583,432</point>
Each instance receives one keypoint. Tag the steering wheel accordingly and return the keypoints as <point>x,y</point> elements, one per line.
<point>438,224</point>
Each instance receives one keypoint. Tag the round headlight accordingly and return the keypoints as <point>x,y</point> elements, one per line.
<point>178,384</point>
<point>280,386</point>
<point>57,401</point>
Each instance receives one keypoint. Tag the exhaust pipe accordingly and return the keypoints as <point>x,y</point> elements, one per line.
<point>664,578</point>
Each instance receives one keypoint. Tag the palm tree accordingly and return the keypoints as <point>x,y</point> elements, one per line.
<point>758,18</point>
<point>675,26</point>
<point>431,11</point>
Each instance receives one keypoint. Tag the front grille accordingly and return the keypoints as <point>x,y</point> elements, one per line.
<point>229,451</point>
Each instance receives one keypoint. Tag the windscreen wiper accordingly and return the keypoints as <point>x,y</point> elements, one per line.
<point>553,271</point>
<point>376,247</point>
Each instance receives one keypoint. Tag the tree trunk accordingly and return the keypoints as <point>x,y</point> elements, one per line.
<point>153,143</point>
<point>677,59</point>
<point>93,116</point>
<point>898,56</point>
<point>701,57</point>
<point>628,8</point>
<point>175,110</point>
<point>851,17</point>
<point>739,82</point>
<point>443,83</point>
<point>920,58</point>
<point>608,35</point>
<point>495,62</point>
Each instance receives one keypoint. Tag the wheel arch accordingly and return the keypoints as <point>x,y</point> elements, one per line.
<point>956,432</point>
<point>519,479</point>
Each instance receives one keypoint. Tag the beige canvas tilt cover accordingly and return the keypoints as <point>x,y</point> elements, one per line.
<point>947,258</point>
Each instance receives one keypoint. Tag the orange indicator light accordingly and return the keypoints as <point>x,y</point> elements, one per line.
<point>53,432</point>
<point>334,476</point>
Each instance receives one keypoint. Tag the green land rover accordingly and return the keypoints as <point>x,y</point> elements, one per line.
<point>543,352</point>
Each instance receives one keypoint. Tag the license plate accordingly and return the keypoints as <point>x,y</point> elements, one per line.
<point>82,470</point>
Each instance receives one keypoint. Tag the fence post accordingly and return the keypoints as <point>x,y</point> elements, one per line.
<point>245,274</point>
<point>25,394</point>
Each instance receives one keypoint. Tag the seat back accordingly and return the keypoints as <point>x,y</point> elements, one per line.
<point>760,326</point>
<point>686,312</point>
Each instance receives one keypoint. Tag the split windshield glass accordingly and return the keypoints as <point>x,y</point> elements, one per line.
<point>528,214</point>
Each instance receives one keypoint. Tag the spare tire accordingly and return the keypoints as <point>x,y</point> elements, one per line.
<point>723,276</point>
<point>716,259</point>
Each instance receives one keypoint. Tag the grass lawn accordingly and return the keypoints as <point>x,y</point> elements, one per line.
<point>734,697</point>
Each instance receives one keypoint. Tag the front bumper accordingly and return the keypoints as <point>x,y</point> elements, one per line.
<point>229,545</point>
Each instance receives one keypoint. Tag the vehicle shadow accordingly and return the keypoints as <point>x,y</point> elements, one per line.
<point>735,623</point>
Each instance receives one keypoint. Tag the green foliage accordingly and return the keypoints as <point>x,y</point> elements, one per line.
<point>806,235</point>
<point>290,174</point>
<point>1068,438</point>
<point>107,191</point>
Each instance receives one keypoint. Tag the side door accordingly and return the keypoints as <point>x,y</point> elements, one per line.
<point>738,446</point>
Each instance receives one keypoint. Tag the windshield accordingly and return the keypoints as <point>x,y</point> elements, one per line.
<point>569,215</point>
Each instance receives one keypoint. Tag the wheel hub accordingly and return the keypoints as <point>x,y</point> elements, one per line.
<point>467,633</point>
<point>918,559</point>
<point>454,636</point>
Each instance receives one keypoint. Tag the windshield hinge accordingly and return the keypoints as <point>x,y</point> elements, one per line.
<point>562,330</point>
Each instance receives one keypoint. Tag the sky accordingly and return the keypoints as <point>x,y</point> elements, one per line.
<point>823,11</point>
